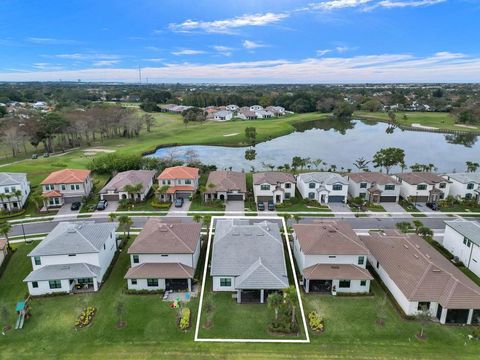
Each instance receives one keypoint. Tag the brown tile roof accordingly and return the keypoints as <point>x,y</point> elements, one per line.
<point>160,271</point>
<point>52,193</point>
<point>329,237</point>
<point>157,237</point>
<point>372,177</point>
<point>131,177</point>
<point>179,172</point>
<point>174,189</point>
<point>415,178</point>
<point>67,176</point>
<point>226,181</point>
<point>421,272</point>
<point>273,178</point>
<point>336,272</point>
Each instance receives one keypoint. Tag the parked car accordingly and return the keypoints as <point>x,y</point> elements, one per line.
<point>432,205</point>
<point>261,206</point>
<point>46,155</point>
<point>75,205</point>
<point>35,156</point>
<point>102,205</point>
<point>179,202</point>
<point>271,206</point>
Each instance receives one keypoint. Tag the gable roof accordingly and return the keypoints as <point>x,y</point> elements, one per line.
<point>272,178</point>
<point>372,177</point>
<point>12,178</point>
<point>178,172</point>
<point>131,177</point>
<point>226,181</point>
<point>252,252</point>
<point>421,272</point>
<point>67,176</point>
<point>64,271</point>
<point>469,229</point>
<point>465,178</point>
<point>329,237</point>
<point>157,237</point>
<point>420,177</point>
<point>81,237</point>
<point>327,178</point>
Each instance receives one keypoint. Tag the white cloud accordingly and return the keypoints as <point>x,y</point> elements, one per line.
<point>250,45</point>
<point>188,52</point>
<point>338,4</point>
<point>323,52</point>
<point>154,59</point>
<point>223,50</point>
<point>50,41</point>
<point>105,62</point>
<point>47,66</point>
<point>402,4</point>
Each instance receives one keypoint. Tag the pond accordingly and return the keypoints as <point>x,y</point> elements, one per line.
<point>341,143</point>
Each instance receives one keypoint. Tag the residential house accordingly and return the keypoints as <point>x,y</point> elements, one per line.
<point>232,108</point>
<point>324,187</point>
<point>248,259</point>
<point>118,187</point>
<point>276,110</point>
<point>421,279</point>
<point>222,115</point>
<point>3,250</point>
<point>331,258</point>
<point>14,190</point>
<point>73,257</point>
<point>462,239</point>
<point>375,187</point>
<point>246,114</point>
<point>422,187</point>
<point>273,186</point>
<point>226,185</point>
<point>164,256</point>
<point>464,185</point>
<point>66,186</point>
<point>178,182</point>
<point>256,108</point>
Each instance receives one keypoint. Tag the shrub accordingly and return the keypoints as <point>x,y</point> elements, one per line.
<point>184,322</point>
<point>316,322</point>
<point>85,317</point>
<point>476,333</point>
<point>160,205</point>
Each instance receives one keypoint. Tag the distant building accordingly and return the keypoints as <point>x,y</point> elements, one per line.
<point>14,191</point>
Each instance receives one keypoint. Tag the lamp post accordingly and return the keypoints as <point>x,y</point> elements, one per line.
<point>23,232</point>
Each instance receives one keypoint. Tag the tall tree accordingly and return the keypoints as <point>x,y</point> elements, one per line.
<point>388,157</point>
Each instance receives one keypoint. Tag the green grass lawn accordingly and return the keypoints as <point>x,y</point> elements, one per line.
<point>411,208</point>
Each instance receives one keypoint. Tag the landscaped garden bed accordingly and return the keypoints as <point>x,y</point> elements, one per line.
<point>86,317</point>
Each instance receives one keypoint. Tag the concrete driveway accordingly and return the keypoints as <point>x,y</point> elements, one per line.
<point>66,213</point>
<point>341,207</point>
<point>112,206</point>
<point>234,208</point>
<point>176,211</point>
<point>394,207</point>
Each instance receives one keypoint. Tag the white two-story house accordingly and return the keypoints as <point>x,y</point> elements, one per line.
<point>324,187</point>
<point>462,239</point>
<point>74,257</point>
<point>14,190</point>
<point>331,258</point>
<point>374,187</point>
<point>178,182</point>
<point>273,186</point>
<point>422,187</point>
<point>164,256</point>
<point>464,185</point>
<point>223,115</point>
<point>66,186</point>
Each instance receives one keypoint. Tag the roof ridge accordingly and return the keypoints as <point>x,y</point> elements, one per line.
<point>178,237</point>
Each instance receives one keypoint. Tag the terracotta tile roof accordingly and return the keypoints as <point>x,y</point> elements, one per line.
<point>52,193</point>
<point>131,177</point>
<point>273,178</point>
<point>415,178</point>
<point>67,176</point>
<point>157,237</point>
<point>421,272</point>
<point>329,237</point>
<point>174,189</point>
<point>226,181</point>
<point>336,272</point>
<point>372,177</point>
<point>179,172</point>
<point>160,271</point>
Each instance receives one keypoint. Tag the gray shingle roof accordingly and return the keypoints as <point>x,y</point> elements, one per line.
<point>254,253</point>
<point>64,271</point>
<point>81,237</point>
<point>465,178</point>
<point>469,229</point>
<point>328,178</point>
<point>12,178</point>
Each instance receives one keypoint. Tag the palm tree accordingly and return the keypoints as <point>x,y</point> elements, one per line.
<point>418,224</point>
<point>361,163</point>
<point>133,189</point>
<point>5,228</point>
<point>37,200</point>
<point>290,296</point>
<point>274,301</point>
<point>112,216</point>
<point>161,190</point>
<point>125,223</point>
<point>197,218</point>
<point>472,166</point>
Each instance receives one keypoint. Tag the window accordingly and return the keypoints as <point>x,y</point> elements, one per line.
<point>55,284</point>
<point>165,255</point>
<point>34,284</point>
<point>152,282</point>
<point>265,187</point>
<point>13,188</point>
<point>77,187</point>
<point>104,246</point>
<point>361,260</point>
<point>389,187</point>
<point>378,265</point>
<point>363,282</point>
<point>421,187</point>
<point>133,281</point>
<point>470,186</point>
<point>443,185</point>
<point>135,258</point>
<point>288,185</point>
<point>188,181</point>
<point>363,185</point>
<point>311,195</point>
<point>344,284</point>
<point>466,242</point>
<point>37,260</point>
<point>287,195</point>
<point>72,254</point>
<point>468,196</point>
<point>311,186</point>
<point>72,187</point>
<point>225,282</point>
<point>7,190</point>
<point>363,195</point>
<point>337,187</point>
<point>423,305</point>
<point>332,257</point>
<point>63,187</point>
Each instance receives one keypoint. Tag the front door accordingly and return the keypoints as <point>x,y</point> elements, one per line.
<point>278,198</point>
<point>323,198</point>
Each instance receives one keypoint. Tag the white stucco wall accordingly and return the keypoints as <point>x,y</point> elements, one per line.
<point>217,287</point>
<point>142,284</point>
<point>44,288</point>
<point>470,256</point>
<point>257,191</point>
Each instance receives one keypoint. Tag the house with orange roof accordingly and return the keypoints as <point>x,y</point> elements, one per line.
<point>178,182</point>
<point>66,186</point>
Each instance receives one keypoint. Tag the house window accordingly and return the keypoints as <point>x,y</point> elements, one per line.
<point>470,186</point>
<point>55,284</point>
<point>72,187</point>
<point>344,284</point>
<point>37,260</point>
<point>77,187</point>
<point>34,284</point>
<point>332,257</point>
<point>288,185</point>
<point>361,260</point>
<point>264,187</point>
<point>49,187</point>
<point>363,195</point>
<point>165,255</point>
<point>287,195</point>
<point>443,185</point>
<point>423,305</point>
<point>225,282</point>
<point>468,196</point>
<point>363,185</point>
<point>389,187</point>
<point>466,242</point>
<point>13,188</point>
<point>136,260</point>
<point>152,282</point>
<point>422,187</point>
<point>378,265</point>
<point>72,254</point>
<point>311,195</point>
<point>188,181</point>
<point>7,190</point>
<point>337,187</point>
<point>363,282</point>
<point>63,187</point>
<point>133,281</point>
<point>311,186</point>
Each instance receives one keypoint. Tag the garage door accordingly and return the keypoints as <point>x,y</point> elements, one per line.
<point>420,199</point>
<point>69,200</point>
<point>183,195</point>
<point>110,197</point>
<point>336,199</point>
<point>388,199</point>
<point>235,197</point>
<point>264,198</point>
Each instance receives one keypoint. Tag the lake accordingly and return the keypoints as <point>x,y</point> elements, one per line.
<point>340,143</point>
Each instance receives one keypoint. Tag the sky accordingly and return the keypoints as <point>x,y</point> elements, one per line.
<point>248,41</point>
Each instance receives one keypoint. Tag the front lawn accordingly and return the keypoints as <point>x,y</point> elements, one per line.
<point>199,205</point>
<point>411,208</point>
<point>297,204</point>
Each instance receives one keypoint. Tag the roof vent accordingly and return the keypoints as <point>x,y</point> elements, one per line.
<point>335,267</point>
<point>171,226</point>
<point>415,255</point>
<point>437,270</point>
<point>405,246</point>
<point>71,228</point>
<point>332,231</point>
<point>428,256</point>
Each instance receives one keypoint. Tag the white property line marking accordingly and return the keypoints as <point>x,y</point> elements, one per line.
<point>202,291</point>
